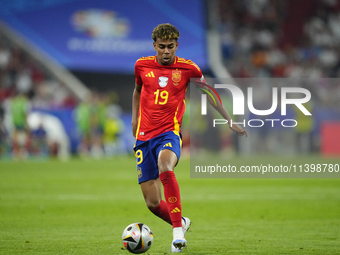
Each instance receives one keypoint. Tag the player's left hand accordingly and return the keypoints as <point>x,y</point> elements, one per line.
<point>240,131</point>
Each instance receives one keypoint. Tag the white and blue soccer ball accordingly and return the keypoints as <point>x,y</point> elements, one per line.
<point>137,238</point>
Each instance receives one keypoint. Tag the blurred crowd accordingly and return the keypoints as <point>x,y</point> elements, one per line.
<point>286,39</point>
<point>29,95</point>
<point>274,38</point>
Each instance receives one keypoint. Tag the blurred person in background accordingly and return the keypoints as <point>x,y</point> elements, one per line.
<point>97,122</point>
<point>82,116</point>
<point>113,127</point>
<point>304,138</point>
<point>4,135</point>
<point>19,108</point>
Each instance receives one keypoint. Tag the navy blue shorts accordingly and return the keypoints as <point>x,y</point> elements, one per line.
<point>146,153</point>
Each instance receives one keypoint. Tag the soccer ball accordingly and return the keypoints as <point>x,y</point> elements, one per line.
<point>137,238</point>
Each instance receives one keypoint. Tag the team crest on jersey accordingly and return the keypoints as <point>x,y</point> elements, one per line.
<point>176,77</point>
<point>163,81</point>
<point>139,172</point>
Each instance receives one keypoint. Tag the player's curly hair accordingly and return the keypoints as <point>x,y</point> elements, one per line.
<point>164,32</point>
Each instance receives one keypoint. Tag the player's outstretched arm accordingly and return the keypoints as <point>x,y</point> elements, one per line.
<point>135,108</point>
<point>224,113</point>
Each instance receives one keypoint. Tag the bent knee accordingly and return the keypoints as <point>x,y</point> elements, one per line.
<point>152,203</point>
<point>165,168</point>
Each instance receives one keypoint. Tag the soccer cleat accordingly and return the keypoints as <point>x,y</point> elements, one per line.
<point>185,226</point>
<point>174,249</point>
<point>178,244</point>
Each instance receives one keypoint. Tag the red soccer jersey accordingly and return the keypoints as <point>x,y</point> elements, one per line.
<point>162,102</point>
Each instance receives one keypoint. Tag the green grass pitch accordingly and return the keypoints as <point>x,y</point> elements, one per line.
<point>83,206</point>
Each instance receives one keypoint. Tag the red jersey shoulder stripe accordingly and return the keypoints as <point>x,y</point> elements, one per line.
<point>185,61</point>
<point>146,58</point>
<point>189,62</point>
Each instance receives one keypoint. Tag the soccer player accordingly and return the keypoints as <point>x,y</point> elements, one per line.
<point>157,110</point>
<point>82,117</point>
<point>20,108</point>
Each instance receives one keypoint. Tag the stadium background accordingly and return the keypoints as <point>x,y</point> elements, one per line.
<point>63,51</point>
